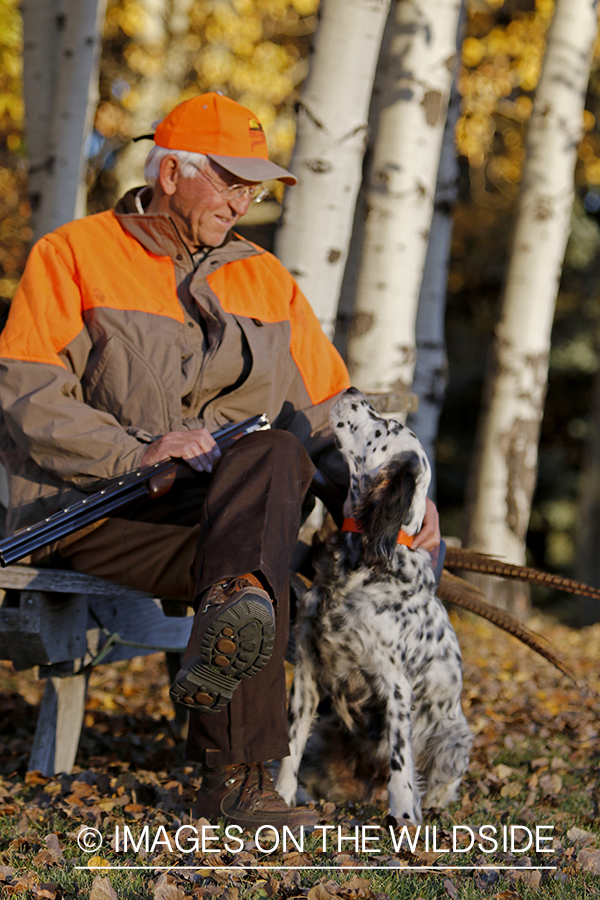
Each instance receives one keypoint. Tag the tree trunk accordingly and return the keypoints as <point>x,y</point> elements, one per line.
<point>414,99</point>
<point>505,470</point>
<point>43,26</point>
<point>431,369</point>
<point>62,44</point>
<point>315,234</point>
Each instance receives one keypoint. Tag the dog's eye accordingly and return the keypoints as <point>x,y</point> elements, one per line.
<point>340,425</point>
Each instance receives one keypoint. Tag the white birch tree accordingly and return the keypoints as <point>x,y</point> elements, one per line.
<point>413,105</point>
<point>314,237</point>
<point>61,54</point>
<point>504,475</point>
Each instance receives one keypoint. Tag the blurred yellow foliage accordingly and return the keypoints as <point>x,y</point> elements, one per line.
<point>14,210</point>
<point>501,66</point>
<point>253,50</point>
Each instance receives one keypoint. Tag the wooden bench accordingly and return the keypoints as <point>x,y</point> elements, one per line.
<point>64,623</point>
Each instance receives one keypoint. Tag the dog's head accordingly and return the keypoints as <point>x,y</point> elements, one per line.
<point>389,473</point>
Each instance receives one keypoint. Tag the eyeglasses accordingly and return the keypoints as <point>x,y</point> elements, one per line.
<point>256,192</point>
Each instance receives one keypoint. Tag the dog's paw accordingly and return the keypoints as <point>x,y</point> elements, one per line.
<point>405,814</point>
<point>404,799</point>
<point>287,781</point>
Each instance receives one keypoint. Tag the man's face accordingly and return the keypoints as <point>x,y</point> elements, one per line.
<point>202,212</point>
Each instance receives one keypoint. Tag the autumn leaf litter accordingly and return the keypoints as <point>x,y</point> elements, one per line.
<point>535,760</point>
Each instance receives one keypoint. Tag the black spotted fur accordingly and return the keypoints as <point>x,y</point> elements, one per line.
<point>372,636</point>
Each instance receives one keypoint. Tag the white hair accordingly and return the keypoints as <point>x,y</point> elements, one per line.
<point>187,162</point>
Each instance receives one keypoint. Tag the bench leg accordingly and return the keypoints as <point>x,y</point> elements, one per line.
<point>59,725</point>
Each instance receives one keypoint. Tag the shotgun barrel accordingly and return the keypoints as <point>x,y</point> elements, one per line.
<point>140,483</point>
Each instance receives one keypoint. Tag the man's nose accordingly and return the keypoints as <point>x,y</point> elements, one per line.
<point>240,205</point>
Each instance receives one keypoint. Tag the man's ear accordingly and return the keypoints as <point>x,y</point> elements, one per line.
<point>169,174</point>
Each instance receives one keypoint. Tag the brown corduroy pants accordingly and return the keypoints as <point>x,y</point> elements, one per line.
<point>244,517</point>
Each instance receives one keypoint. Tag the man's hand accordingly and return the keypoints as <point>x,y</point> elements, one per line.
<point>198,448</point>
<point>429,536</point>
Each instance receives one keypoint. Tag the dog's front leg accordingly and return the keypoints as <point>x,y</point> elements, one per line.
<point>304,700</point>
<point>404,795</point>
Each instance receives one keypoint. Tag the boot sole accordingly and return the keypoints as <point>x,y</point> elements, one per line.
<point>207,681</point>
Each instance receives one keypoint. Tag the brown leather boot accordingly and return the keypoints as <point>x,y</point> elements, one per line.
<point>232,638</point>
<point>245,795</point>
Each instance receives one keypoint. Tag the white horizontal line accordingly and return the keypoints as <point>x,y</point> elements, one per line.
<point>328,868</point>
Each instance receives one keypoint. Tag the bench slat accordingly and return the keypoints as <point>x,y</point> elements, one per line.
<point>64,582</point>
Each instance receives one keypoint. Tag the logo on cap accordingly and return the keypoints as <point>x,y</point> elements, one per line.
<point>256,134</point>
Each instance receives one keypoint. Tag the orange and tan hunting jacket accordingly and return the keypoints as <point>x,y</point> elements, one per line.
<point>114,338</point>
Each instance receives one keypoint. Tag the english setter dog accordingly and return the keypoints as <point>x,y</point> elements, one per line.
<point>372,635</point>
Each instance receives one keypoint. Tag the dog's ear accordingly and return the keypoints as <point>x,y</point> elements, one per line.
<point>386,507</point>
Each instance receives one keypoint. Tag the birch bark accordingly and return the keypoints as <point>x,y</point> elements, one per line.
<point>43,25</point>
<point>413,106</point>
<point>314,237</point>
<point>505,469</point>
<point>62,40</point>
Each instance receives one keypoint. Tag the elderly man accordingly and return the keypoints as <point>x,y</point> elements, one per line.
<point>134,334</point>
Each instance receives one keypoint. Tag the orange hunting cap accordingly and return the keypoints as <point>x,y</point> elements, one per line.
<point>226,132</point>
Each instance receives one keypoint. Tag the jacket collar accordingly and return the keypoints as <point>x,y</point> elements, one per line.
<point>159,235</point>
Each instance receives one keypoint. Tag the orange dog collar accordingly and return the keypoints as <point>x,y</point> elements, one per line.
<point>353,525</point>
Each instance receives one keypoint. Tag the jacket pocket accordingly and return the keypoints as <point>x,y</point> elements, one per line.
<point>124,384</point>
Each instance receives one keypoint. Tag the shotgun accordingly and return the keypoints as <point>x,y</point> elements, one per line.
<point>152,481</point>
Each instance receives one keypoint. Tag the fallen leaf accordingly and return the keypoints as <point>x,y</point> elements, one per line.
<point>450,889</point>
<point>43,858</point>
<point>102,889</point>
<point>581,838</point>
<point>97,862</point>
<point>22,843</point>
<point>168,892</point>
<point>34,778</point>
<point>53,846</point>
<point>46,891</point>
<point>107,804</point>
<point>271,886</point>
<point>318,892</point>
<point>356,883</point>
<point>290,879</point>
<point>551,785</point>
<point>532,878</point>
<point>230,893</point>
<point>589,861</point>
<point>486,880</point>
<point>511,790</point>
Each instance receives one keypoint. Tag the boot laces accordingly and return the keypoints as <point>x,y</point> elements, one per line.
<point>256,784</point>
